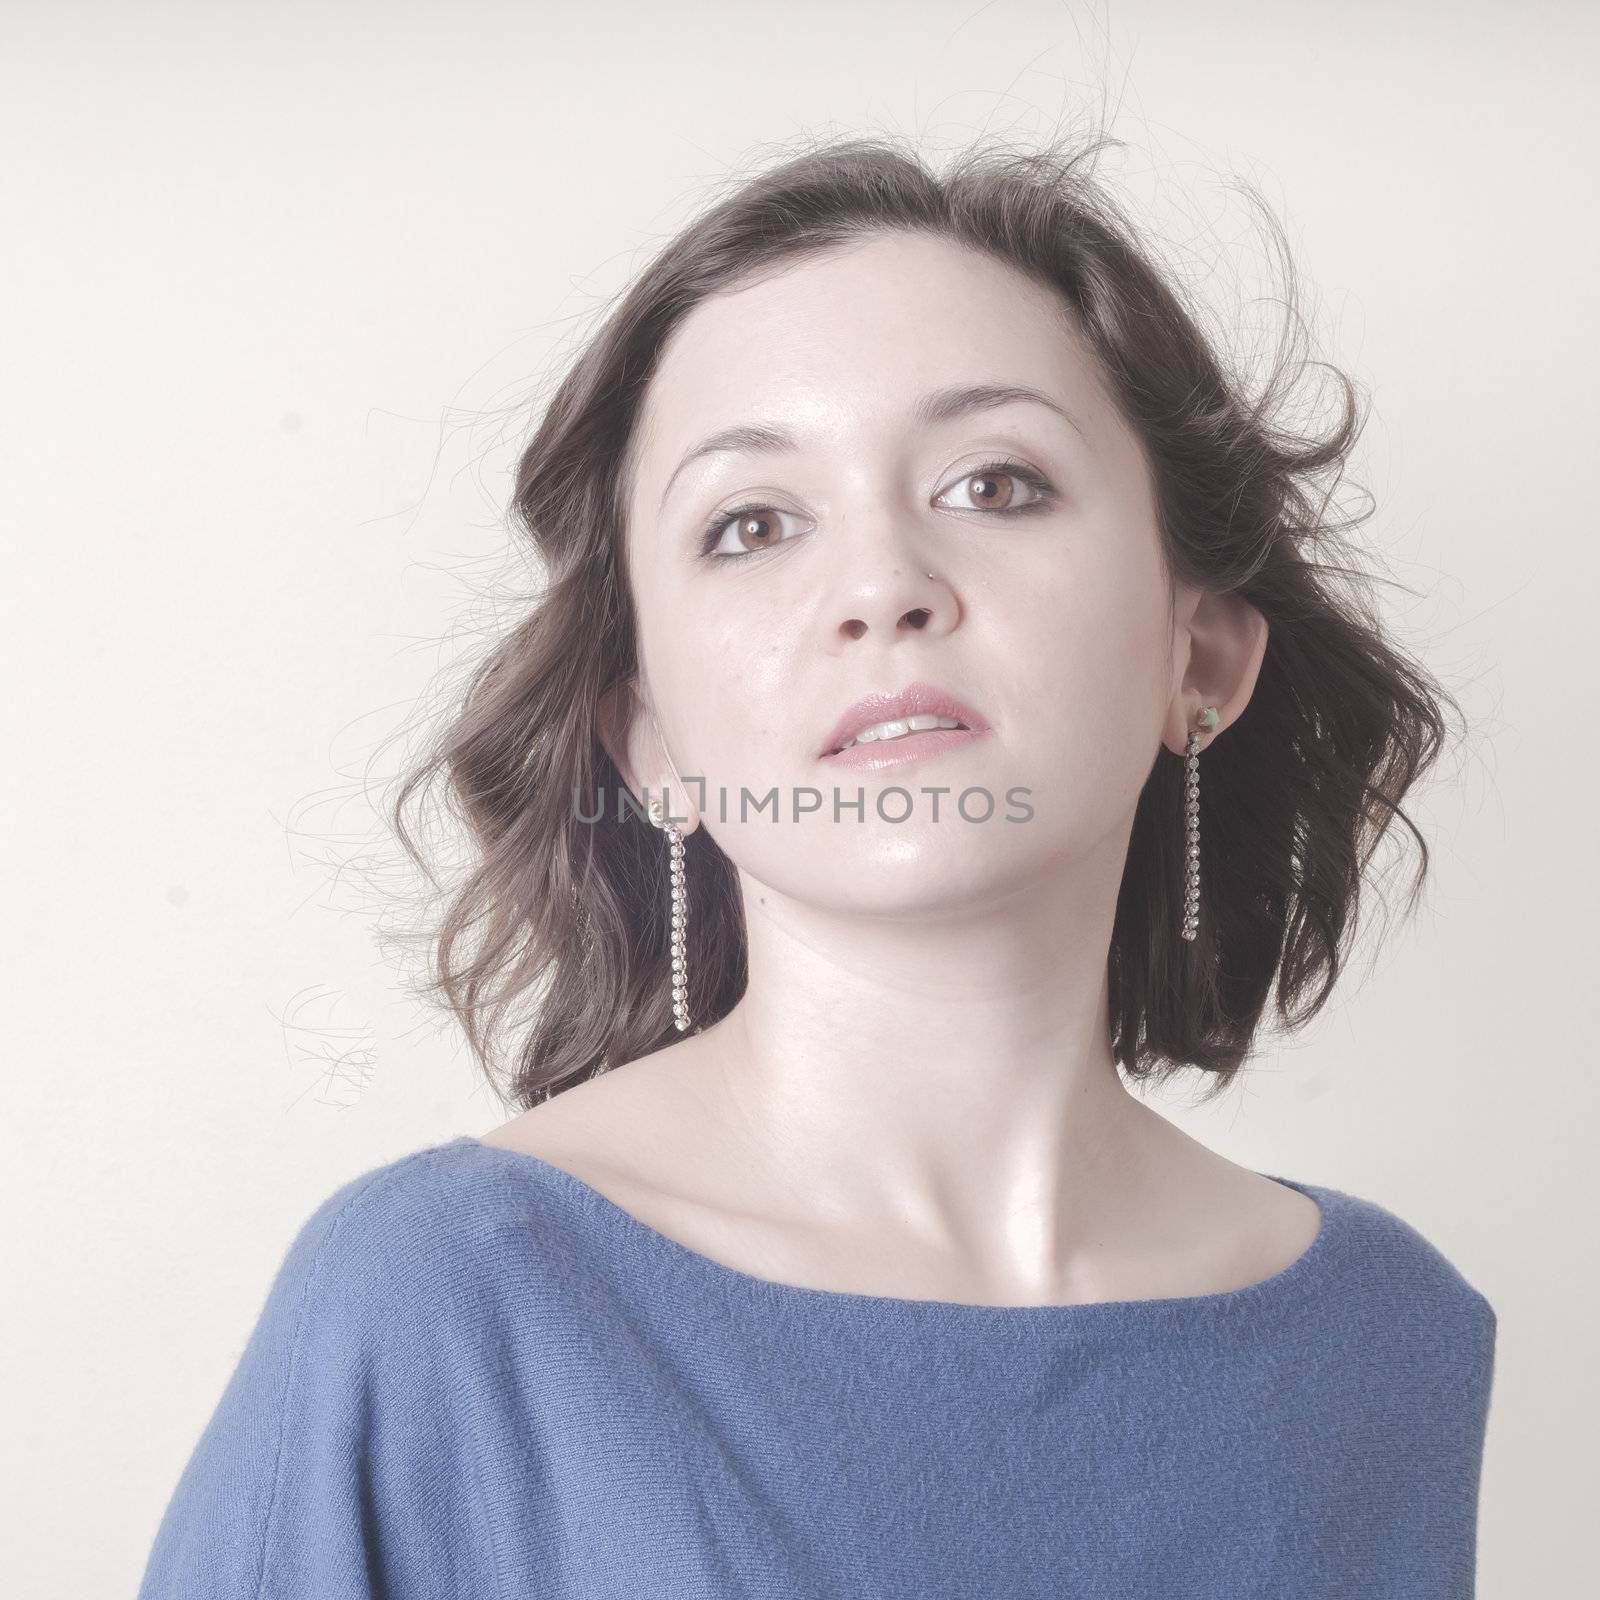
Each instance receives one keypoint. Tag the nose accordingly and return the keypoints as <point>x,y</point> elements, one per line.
<point>907,597</point>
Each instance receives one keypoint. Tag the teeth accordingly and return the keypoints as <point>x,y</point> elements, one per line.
<point>899,728</point>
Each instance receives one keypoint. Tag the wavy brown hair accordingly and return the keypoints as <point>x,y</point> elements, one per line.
<point>566,917</point>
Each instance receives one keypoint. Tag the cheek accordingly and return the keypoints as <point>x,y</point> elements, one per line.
<point>733,677</point>
<point>1087,668</point>
<point>1093,623</point>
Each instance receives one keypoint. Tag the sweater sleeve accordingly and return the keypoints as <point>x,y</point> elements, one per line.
<point>335,1463</point>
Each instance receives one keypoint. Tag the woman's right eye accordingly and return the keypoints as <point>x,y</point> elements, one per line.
<point>753,528</point>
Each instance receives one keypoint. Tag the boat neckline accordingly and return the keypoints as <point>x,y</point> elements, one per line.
<point>1288,1282</point>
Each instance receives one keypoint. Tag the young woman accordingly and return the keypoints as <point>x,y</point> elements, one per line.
<point>938,722</point>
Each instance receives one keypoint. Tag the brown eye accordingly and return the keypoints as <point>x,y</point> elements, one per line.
<point>756,532</point>
<point>996,488</point>
<point>993,489</point>
<point>745,530</point>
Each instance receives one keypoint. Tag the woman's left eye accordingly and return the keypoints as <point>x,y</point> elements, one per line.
<point>992,493</point>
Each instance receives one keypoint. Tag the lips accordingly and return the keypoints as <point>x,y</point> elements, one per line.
<point>915,699</point>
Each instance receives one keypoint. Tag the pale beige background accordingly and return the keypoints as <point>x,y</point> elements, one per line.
<point>277,276</point>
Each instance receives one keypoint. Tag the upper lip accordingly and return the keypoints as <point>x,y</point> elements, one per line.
<point>914,699</point>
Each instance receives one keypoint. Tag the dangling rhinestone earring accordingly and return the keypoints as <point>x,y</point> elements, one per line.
<point>680,919</point>
<point>1191,810</point>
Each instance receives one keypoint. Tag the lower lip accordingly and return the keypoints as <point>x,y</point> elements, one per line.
<point>897,752</point>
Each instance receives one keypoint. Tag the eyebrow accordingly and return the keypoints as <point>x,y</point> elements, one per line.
<point>940,405</point>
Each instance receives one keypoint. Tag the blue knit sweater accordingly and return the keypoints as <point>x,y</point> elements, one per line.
<point>477,1378</point>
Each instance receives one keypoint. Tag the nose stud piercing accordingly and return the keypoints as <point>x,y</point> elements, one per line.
<point>680,918</point>
<point>1208,718</point>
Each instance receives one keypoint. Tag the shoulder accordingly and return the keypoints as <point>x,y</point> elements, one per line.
<point>418,1264</point>
<point>331,1463</point>
<point>1387,1262</point>
<point>328,1457</point>
<point>1409,1342</point>
<point>437,1211</point>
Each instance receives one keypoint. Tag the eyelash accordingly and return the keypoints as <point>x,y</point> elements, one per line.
<point>718,525</point>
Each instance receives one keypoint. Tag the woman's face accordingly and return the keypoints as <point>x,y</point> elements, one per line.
<point>1046,613</point>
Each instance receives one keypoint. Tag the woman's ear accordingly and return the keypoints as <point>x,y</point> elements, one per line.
<point>615,717</point>
<point>627,730</point>
<point>1226,638</point>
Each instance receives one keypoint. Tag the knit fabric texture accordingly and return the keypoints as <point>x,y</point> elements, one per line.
<point>475,1377</point>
